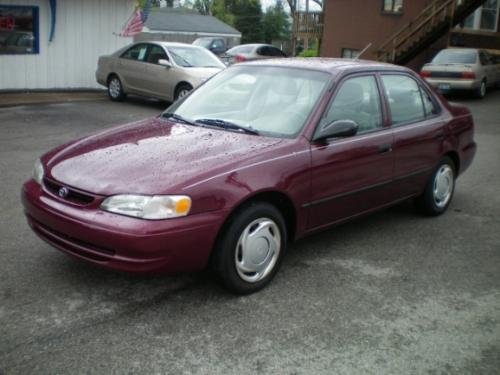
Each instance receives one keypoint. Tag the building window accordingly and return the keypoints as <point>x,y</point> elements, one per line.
<point>349,53</point>
<point>485,17</point>
<point>489,14</point>
<point>393,6</point>
<point>18,30</point>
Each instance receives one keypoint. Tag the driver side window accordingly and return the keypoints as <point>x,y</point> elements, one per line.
<point>358,100</point>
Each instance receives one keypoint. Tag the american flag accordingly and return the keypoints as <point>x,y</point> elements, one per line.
<point>136,21</point>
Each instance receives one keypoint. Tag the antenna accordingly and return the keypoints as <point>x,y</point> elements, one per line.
<point>363,51</point>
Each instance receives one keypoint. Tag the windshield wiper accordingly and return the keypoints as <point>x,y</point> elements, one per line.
<point>227,125</point>
<point>178,118</point>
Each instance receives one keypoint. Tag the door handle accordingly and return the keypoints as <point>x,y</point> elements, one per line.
<point>382,149</point>
<point>440,136</point>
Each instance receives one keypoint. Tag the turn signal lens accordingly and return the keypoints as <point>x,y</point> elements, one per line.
<point>468,75</point>
<point>425,73</point>
<point>182,206</point>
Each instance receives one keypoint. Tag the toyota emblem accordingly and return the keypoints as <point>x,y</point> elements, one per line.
<point>63,192</point>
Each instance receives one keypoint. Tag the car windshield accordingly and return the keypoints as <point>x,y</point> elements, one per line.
<point>194,57</point>
<point>448,56</point>
<point>203,42</point>
<point>272,101</point>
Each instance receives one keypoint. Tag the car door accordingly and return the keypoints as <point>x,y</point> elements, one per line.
<point>418,126</point>
<point>158,79</point>
<point>352,175</point>
<point>132,67</point>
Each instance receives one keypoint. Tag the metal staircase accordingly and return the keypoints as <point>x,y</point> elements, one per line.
<point>431,24</point>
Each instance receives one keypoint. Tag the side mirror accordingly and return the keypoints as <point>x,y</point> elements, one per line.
<point>165,63</point>
<point>336,129</point>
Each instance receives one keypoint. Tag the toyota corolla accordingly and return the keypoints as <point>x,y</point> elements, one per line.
<point>260,155</point>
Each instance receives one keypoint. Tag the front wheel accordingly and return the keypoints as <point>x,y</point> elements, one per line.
<point>439,189</point>
<point>182,91</point>
<point>250,251</point>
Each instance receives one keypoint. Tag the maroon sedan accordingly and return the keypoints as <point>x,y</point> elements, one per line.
<point>260,155</point>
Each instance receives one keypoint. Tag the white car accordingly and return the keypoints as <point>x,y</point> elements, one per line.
<point>468,69</point>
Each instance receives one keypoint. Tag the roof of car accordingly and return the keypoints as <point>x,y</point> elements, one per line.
<point>327,64</point>
<point>171,44</point>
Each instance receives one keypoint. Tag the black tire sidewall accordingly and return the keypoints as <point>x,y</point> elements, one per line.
<point>223,261</point>
<point>479,92</point>
<point>184,86</point>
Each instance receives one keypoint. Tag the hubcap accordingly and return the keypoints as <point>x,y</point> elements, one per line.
<point>443,185</point>
<point>483,89</point>
<point>257,250</point>
<point>114,88</point>
<point>183,93</point>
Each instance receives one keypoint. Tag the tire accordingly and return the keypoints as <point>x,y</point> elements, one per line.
<point>439,189</point>
<point>481,91</point>
<point>115,89</point>
<point>251,248</point>
<point>182,90</point>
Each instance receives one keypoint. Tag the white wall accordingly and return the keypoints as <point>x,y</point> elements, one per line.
<point>85,29</point>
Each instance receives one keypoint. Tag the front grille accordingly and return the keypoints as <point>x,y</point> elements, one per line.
<point>446,74</point>
<point>73,195</point>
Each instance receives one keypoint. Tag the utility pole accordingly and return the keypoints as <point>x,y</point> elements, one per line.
<point>306,39</point>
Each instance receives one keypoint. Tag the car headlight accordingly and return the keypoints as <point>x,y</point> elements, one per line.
<point>38,171</point>
<point>149,207</point>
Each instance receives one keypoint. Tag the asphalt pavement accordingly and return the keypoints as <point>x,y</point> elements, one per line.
<point>391,293</point>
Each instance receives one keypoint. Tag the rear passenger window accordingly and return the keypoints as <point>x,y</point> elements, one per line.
<point>429,106</point>
<point>357,100</point>
<point>137,52</point>
<point>405,99</point>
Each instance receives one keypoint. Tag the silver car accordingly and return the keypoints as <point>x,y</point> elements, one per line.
<point>468,69</point>
<point>249,52</point>
<point>163,70</point>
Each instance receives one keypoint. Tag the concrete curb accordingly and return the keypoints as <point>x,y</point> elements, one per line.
<point>15,99</point>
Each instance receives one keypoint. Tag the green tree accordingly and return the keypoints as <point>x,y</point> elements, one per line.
<point>223,10</point>
<point>275,23</point>
<point>248,20</point>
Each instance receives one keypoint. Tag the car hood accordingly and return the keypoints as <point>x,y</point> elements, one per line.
<point>200,74</point>
<point>154,156</point>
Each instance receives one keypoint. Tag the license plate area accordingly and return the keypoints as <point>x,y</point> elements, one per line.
<point>444,86</point>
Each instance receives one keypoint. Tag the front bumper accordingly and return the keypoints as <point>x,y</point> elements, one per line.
<point>120,242</point>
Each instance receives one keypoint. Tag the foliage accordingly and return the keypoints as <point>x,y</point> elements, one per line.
<point>248,20</point>
<point>276,25</point>
<point>311,52</point>
<point>223,10</point>
<point>203,6</point>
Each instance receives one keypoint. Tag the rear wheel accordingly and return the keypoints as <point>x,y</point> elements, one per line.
<point>481,90</point>
<point>250,251</point>
<point>439,190</point>
<point>182,90</point>
<point>115,89</point>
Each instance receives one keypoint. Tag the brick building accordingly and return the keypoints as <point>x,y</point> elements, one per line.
<point>351,24</point>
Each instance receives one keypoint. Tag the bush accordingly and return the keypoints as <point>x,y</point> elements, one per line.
<point>309,53</point>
